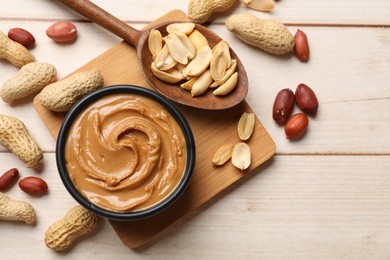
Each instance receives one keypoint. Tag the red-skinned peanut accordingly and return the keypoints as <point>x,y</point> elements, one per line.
<point>306,99</point>
<point>301,47</point>
<point>283,105</point>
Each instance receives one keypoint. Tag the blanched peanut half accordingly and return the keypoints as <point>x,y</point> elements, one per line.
<point>200,63</point>
<point>189,84</point>
<point>228,86</point>
<point>241,156</point>
<point>245,126</point>
<point>260,5</point>
<point>223,154</point>
<point>170,76</point>
<point>220,60</point>
<point>226,50</point>
<point>191,51</point>
<point>227,75</point>
<point>202,84</point>
<point>218,65</point>
<point>176,48</point>
<point>155,42</point>
<point>185,28</point>
<point>198,39</point>
<point>180,67</point>
<point>164,60</point>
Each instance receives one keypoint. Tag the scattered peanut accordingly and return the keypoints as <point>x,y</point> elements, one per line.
<point>301,47</point>
<point>15,210</point>
<point>260,5</point>
<point>63,31</point>
<point>283,105</point>
<point>241,156</point>
<point>30,79</point>
<point>306,99</point>
<point>246,124</point>
<point>240,153</point>
<point>61,95</point>
<point>267,34</point>
<point>8,178</point>
<point>33,185</point>
<point>223,154</point>
<point>14,135</point>
<point>14,52</point>
<point>63,233</point>
<point>296,126</point>
<point>21,36</point>
<point>199,11</point>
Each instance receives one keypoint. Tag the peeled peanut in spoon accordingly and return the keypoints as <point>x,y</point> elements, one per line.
<point>170,76</point>
<point>202,84</point>
<point>176,48</point>
<point>218,65</point>
<point>198,39</point>
<point>155,42</point>
<point>228,86</point>
<point>227,75</point>
<point>191,51</point>
<point>224,46</point>
<point>164,60</point>
<point>185,28</point>
<point>189,84</point>
<point>200,63</point>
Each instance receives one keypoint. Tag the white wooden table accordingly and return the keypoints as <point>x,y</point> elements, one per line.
<point>326,196</point>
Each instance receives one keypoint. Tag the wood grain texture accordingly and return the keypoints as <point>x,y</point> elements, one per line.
<point>325,12</point>
<point>211,129</point>
<point>325,196</point>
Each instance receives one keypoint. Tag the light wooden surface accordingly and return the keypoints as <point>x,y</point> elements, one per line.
<point>119,65</point>
<point>326,196</point>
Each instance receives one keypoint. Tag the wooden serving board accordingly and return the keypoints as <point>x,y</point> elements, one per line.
<point>211,129</point>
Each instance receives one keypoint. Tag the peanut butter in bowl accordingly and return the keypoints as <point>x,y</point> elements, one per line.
<point>125,152</point>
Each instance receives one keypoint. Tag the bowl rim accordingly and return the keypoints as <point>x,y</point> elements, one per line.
<point>125,89</point>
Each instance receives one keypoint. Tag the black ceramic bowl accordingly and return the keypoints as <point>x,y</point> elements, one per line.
<point>130,215</point>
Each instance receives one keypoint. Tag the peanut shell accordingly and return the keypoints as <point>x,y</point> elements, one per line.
<point>61,95</point>
<point>267,34</point>
<point>16,210</point>
<point>14,52</point>
<point>14,135</point>
<point>30,79</point>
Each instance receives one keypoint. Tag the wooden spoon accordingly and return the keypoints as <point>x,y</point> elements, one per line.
<point>139,39</point>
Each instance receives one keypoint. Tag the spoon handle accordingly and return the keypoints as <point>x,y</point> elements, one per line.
<point>105,20</point>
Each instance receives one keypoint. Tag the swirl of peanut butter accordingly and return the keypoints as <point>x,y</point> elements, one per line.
<point>125,152</point>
